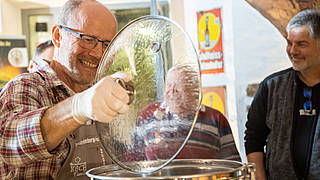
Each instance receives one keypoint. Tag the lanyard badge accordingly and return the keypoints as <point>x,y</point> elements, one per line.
<point>307,105</point>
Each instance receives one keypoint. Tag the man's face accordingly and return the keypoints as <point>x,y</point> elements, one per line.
<point>80,64</point>
<point>305,4</point>
<point>303,50</point>
<point>179,97</point>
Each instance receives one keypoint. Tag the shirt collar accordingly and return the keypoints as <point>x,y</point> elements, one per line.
<point>43,68</point>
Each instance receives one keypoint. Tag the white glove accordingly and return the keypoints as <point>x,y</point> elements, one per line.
<point>103,101</point>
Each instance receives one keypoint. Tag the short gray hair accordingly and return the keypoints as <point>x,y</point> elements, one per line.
<point>190,77</point>
<point>188,74</point>
<point>310,18</point>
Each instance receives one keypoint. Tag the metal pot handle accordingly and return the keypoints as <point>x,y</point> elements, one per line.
<point>251,171</point>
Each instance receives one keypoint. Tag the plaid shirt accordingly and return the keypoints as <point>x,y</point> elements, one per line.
<point>23,101</point>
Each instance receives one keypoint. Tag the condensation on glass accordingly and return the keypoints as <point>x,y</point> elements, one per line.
<point>166,77</point>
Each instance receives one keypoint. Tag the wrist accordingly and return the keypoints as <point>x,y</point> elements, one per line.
<point>77,114</point>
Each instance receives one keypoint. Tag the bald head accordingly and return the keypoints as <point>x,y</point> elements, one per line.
<point>85,12</point>
<point>182,89</point>
<point>83,31</point>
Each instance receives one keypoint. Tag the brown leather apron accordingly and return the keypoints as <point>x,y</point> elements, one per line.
<point>86,152</point>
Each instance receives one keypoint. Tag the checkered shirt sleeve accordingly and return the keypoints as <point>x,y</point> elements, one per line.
<point>23,154</point>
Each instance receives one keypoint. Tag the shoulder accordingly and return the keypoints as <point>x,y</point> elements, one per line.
<point>151,107</point>
<point>26,79</point>
<point>278,79</point>
<point>24,92</point>
<point>25,83</point>
<point>283,74</point>
<point>211,114</point>
<point>149,110</point>
<point>206,110</point>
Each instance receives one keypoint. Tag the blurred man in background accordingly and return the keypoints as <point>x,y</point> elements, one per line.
<point>44,51</point>
<point>211,137</point>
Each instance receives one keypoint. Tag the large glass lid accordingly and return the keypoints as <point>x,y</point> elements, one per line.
<point>166,96</point>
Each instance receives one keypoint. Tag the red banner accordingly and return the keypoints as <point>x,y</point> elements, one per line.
<point>210,41</point>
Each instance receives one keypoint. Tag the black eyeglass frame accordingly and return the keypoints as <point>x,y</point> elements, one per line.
<point>105,43</point>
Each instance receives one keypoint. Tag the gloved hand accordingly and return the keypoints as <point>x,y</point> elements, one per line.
<point>103,101</point>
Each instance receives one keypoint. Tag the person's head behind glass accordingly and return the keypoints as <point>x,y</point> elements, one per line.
<point>83,30</point>
<point>182,90</point>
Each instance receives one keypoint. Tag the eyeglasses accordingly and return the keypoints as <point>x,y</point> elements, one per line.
<point>88,41</point>
<point>307,106</point>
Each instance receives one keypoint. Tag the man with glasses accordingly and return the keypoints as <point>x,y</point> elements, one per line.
<point>284,115</point>
<point>46,116</point>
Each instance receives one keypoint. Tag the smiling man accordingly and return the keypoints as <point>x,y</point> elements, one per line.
<point>284,115</point>
<point>46,116</point>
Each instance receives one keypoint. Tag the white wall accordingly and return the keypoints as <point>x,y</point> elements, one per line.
<point>10,19</point>
<point>258,44</point>
<point>259,51</point>
<point>253,49</point>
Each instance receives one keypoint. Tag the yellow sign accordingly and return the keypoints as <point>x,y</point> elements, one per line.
<point>8,72</point>
<point>208,31</point>
<point>213,100</point>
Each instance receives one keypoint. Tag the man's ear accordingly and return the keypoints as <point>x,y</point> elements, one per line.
<point>56,35</point>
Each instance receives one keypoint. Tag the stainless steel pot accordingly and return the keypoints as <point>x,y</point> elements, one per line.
<point>182,169</point>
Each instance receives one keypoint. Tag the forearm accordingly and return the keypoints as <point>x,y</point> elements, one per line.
<point>57,123</point>
<point>257,158</point>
